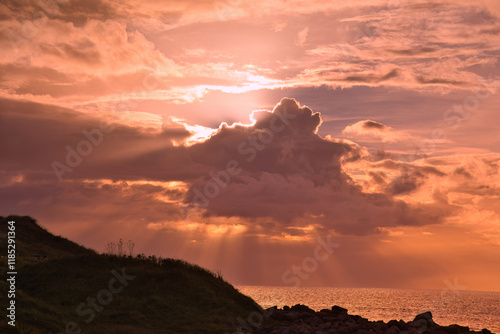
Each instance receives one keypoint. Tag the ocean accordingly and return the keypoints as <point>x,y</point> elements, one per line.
<point>475,309</point>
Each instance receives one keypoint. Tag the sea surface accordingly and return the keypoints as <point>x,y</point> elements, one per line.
<point>475,309</point>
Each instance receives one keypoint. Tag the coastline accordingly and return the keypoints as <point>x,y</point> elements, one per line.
<point>301,319</point>
<point>477,310</point>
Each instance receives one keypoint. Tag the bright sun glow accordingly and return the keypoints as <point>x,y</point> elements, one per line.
<point>199,133</point>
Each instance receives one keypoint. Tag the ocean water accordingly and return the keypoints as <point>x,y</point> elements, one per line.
<point>475,309</point>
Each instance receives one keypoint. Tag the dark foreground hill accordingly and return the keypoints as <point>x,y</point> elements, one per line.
<point>62,287</point>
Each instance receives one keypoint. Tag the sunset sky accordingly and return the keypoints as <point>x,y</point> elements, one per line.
<point>233,134</point>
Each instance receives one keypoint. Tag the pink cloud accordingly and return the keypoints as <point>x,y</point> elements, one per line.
<point>376,130</point>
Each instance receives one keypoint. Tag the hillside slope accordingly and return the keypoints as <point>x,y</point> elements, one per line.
<point>65,288</point>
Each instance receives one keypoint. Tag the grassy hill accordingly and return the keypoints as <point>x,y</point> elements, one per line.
<point>63,287</point>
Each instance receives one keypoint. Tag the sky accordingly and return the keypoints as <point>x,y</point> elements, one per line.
<point>282,142</point>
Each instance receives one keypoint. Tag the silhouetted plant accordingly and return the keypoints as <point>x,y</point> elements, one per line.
<point>218,274</point>
<point>120,247</point>
<point>117,248</point>
<point>111,248</point>
<point>130,246</point>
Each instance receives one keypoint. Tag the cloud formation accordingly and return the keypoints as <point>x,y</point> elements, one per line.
<point>277,171</point>
<point>294,175</point>
<point>100,52</point>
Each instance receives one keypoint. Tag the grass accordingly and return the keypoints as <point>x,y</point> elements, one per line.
<point>166,295</point>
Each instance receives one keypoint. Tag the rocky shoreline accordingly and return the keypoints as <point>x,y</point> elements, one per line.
<point>300,319</point>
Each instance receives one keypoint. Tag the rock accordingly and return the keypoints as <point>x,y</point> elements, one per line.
<point>409,331</point>
<point>349,320</point>
<point>271,310</point>
<point>435,331</point>
<point>303,329</point>
<point>426,315</point>
<point>338,310</point>
<point>380,326</point>
<point>357,318</point>
<point>420,324</point>
<point>442,330</point>
<point>458,329</point>
<point>288,331</point>
<point>365,331</point>
<point>325,325</point>
<point>399,324</point>
<point>302,308</point>
<point>393,323</point>
<point>300,319</point>
<point>393,329</point>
